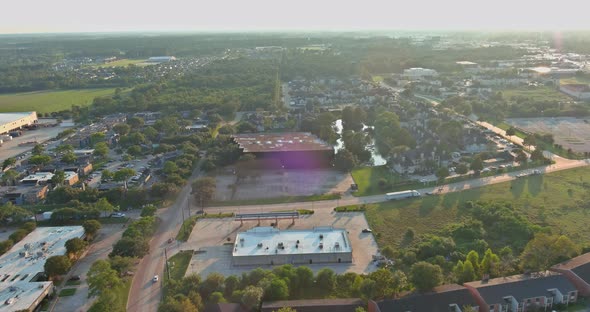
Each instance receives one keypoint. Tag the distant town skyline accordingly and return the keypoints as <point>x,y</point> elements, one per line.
<point>30,16</point>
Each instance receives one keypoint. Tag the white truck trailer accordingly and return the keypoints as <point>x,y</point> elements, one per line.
<point>402,195</point>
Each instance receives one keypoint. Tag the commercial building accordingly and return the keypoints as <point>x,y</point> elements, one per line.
<point>292,149</point>
<point>161,59</point>
<point>578,91</point>
<point>271,246</point>
<point>23,194</point>
<point>419,73</point>
<point>22,285</point>
<point>14,121</point>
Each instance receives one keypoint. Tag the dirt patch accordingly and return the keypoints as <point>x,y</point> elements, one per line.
<point>569,132</point>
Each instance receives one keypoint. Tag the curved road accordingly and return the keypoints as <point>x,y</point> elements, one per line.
<point>145,295</point>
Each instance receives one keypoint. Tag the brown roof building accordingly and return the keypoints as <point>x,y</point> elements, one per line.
<point>315,305</point>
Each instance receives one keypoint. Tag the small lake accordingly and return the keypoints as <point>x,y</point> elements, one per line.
<point>375,156</point>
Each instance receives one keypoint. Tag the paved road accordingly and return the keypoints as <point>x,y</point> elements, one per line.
<point>145,295</point>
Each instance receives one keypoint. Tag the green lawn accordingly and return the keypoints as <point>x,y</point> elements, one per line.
<point>67,292</point>
<point>49,101</point>
<point>367,179</point>
<point>504,126</point>
<point>73,283</point>
<point>536,94</point>
<point>557,200</point>
<point>179,263</point>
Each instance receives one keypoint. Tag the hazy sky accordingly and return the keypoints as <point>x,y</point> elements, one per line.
<point>17,16</point>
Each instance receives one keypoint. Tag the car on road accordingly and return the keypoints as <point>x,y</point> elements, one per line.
<point>117,215</point>
<point>155,278</point>
<point>75,278</point>
<point>367,231</point>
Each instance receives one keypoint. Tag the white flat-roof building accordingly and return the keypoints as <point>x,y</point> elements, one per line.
<point>13,121</point>
<point>37,178</point>
<point>419,73</point>
<point>271,246</point>
<point>21,265</point>
<point>161,59</point>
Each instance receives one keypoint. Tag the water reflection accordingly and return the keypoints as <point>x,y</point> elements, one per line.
<point>375,156</point>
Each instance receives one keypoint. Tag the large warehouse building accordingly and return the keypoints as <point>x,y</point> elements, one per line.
<point>291,149</point>
<point>21,283</point>
<point>14,121</point>
<point>271,246</point>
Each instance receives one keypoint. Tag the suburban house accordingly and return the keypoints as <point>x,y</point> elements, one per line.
<point>526,292</point>
<point>577,271</point>
<point>446,298</point>
<point>315,305</point>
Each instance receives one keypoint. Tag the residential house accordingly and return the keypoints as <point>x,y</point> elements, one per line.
<point>315,305</point>
<point>525,292</point>
<point>446,298</point>
<point>577,271</point>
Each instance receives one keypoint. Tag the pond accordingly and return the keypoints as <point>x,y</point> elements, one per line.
<point>375,156</point>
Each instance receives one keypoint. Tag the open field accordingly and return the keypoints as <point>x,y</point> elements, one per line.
<point>567,131</point>
<point>50,101</point>
<point>575,80</point>
<point>121,63</point>
<point>179,263</point>
<point>556,200</point>
<point>536,94</point>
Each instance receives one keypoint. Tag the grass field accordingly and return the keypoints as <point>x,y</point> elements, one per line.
<point>120,63</point>
<point>575,80</point>
<point>49,101</point>
<point>559,200</point>
<point>367,179</point>
<point>179,263</point>
<point>274,200</point>
<point>536,94</point>
<point>67,292</point>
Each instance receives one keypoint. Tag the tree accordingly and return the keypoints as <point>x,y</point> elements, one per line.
<point>57,265</point>
<point>162,189</point>
<point>490,264</point>
<point>121,128</point>
<point>9,176</point>
<point>252,296</point>
<point>473,257</point>
<point>461,168</point>
<point>203,189</point>
<point>124,175</point>
<point>530,140</point>
<point>277,290</point>
<point>345,160</point>
<point>544,250</point>
<point>8,162</point>
<point>106,174</point>
<point>91,227</point>
<point>38,149</point>
<point>58,178</point>
<point>325,281</point>
<point>41,160</point>
<point>102,278</point>
<point>97,137</point>
<point>101,149</point>
<point>425,276</point>
<point>476,164</point>
<point>521,157</point>
<point>75,246</point>
<point>122,264</point>
<point>368,288</point>
<point>510,131</point>
<point>69,158</point>
<point>64,148</point>
<point>134,150</point>
<point>537,155</point>
<point>135,122</point>
<point>464,272</point>
<point>104,206</point>
<point>388,252</point>
<point>131,247</point>
<point>105,302</point>
<point>216,297</point>
<point>287,309</point>
<point>442,173</point>
<point>383,282</point>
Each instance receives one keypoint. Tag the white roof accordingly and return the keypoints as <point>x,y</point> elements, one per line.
<point>267,241</point>
<point>26,259</point>
<point>10,117</point>
<point>39,176</point>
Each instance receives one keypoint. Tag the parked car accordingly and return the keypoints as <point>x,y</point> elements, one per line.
<point>367,231</point>
<point>117,215</point>
<point>155,278</point>
<point>75,278</point>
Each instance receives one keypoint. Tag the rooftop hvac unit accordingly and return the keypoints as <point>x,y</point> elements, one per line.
<point>321,236</point>
<point>337,245</point>
<point>321,246</point>
<point>259,245</point>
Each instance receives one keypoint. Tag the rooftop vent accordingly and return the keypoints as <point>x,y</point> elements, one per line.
<point>321,236</point>
<point>259,245</point>
<point>337,245</point>
<point>321,246</point>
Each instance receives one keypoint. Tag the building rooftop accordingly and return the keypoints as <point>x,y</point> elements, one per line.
<point>521,286</point>
<point>25,260</point>
<point>38,177</point>
<point>438,300</point>
<point>315,305</point>
<point>261,241</point>
<point>280,142</point>
<point>10,117</point>
<point>580,265</point>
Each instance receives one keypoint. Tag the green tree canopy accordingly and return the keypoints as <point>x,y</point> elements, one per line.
<point>425,276</point>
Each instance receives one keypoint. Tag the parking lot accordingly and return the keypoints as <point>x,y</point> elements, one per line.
<point>213,251</point>
<point>569,132</point>
<point>281,182</point>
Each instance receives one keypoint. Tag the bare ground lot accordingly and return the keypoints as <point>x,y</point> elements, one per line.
<point>280,183</point>
<point>567,131</point>
<point>209,237</point>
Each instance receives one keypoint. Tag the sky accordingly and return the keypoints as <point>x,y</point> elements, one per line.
<point>24,16</point>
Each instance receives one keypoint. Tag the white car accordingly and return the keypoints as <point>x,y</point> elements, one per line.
<point>155,278</point>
